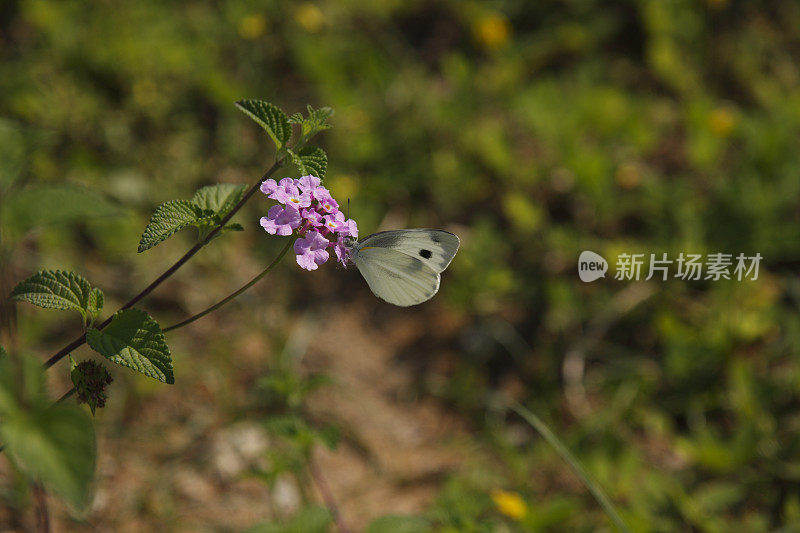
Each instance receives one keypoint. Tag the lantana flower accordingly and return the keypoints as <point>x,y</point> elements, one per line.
<point>326,201</point>
<point>281,220</point>
<point>311,250</point>
<point>308,184</point>
<point>335,222</point>
<point>310,212</point>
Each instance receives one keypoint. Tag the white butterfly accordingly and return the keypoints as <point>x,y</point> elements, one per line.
<point>403,266</point>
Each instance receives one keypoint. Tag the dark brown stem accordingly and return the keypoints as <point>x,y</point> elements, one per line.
<point>42,515</point>
<point>170,271</point>
<point>327,496</point>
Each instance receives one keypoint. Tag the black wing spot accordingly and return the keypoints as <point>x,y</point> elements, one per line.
<point>426,254</point>
<point>435,238</point>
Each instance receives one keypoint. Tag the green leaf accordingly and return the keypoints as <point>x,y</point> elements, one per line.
<point>399,524</point>
<point>225,229</point>
<point>220,198</point>
<point>57,446</point>
<point>168,218</point>
<point>22,384</point>
<point>54,444</point>
<point>232,227</point>
<point>95,303</point>
<point>205,211</point>
<point>314,519</point>
<point>310,160</point>
<point>269,117</point>
<point>135,340</point>
<point>55,289</point>
<point>48,203</point>
<point>315,122</point>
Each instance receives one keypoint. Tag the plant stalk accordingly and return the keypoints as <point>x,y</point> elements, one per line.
<point>171,270</point>
<point>234,294</point>
<point>565,454</point>
<point>327,496</point>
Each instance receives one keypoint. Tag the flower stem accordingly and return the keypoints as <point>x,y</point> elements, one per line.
<point>234,294</point>
<point>327,496</point>
<point>565,454</point>
<point>171,270</point>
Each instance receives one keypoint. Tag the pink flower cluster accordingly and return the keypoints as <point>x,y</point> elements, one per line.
<point>308,209</point>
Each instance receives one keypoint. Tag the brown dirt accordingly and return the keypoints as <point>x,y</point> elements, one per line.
<point>176,458</point>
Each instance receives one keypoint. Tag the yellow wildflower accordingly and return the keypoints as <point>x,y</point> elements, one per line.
<point>492,30</point>
<point>510,504</point>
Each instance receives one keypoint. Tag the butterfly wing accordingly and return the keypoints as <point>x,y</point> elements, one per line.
<point>434,247</point>
<point>396,277</point>
<point>403,266</point>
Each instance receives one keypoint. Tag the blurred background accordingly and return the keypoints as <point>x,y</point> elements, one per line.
<point>533,130</point>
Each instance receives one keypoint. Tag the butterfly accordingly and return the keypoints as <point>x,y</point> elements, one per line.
<point>402,266</point>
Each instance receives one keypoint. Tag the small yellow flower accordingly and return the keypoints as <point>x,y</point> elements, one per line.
<point>252,27</point>
<point>309,17</point>
<point>492,30</point>
<point>510,504</point>
<point>721,121</point>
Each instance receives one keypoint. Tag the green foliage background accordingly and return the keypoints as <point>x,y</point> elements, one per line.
<point>534,130</point>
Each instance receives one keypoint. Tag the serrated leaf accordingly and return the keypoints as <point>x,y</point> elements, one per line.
<point>310,160</point>
<point>46,203</point>
<point>220,198</point>
<point>95,303</point>
<point>55,289</point>
<point>315,161</point>
<point>232,227</point>
<point>54,444</point>
<point>168,218</point>
<point>134,339</point>
<point>399,524</point>
<point>315,122</point>
<point>269,117</point>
